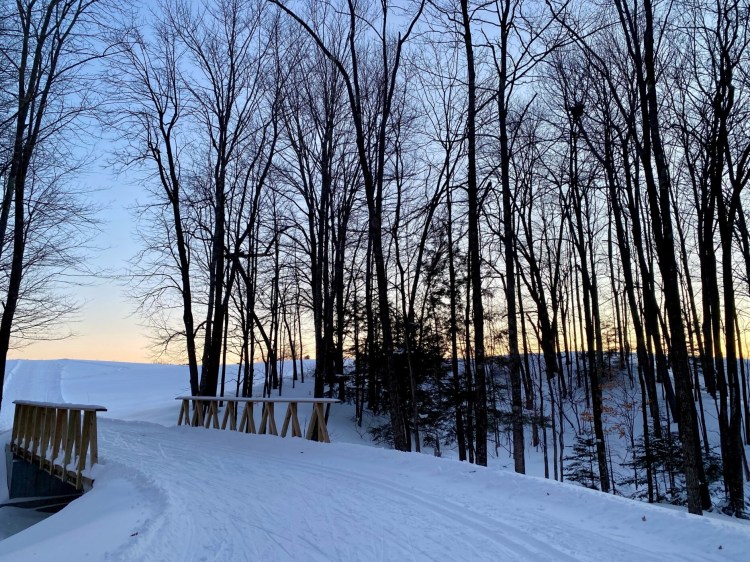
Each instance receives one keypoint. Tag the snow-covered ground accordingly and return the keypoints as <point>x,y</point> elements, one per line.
<point>178,493</point>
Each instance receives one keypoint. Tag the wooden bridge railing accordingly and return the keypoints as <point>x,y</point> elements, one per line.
<point>57,437</point>
<point>206,414</point>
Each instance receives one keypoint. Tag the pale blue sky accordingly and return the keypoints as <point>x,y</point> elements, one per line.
<point>106,327</point>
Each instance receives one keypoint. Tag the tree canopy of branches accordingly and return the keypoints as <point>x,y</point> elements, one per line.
<point>481,218</point>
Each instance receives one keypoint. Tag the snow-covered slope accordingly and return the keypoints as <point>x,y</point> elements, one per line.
<point>178,493</point>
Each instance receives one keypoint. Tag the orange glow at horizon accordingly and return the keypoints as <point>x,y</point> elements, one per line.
<point>106,331</point>
<point>127,348</point>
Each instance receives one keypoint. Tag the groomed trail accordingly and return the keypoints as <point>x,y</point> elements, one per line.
<point>179,493</point>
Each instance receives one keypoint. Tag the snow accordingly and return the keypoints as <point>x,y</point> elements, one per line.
<point>164,492</point>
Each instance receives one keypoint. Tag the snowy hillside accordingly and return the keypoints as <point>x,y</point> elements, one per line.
<point>178,493</point>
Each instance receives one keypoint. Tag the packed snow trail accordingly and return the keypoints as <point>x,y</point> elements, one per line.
<point>181,493</point>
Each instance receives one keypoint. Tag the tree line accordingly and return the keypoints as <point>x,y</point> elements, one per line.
<point>475,216</point>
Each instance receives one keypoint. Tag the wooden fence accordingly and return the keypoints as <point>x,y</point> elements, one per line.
<point>57,437</point>
<point>206,414</point>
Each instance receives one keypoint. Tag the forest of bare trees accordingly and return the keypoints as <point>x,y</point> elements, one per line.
<point>493,225</point>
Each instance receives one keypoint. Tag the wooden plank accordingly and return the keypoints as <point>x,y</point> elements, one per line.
<point>247,422</point>
<point>28,423</point>
<point>271,419</point>
<point>48,414</point>
<point>263,421</point>
<point>16,426</point>
<point>36,443</point>
<point>201,409</point>
<point>213,414</point>
<point>36,436</point>
<point>194,419</point>
<point>82,407</point>
<point>61,430</point>
<point>245,415</point>
<point>312,424</point>
<point>77,434</point>
<point>230,415</point>
<point>94,441</point>
<point>16,435</point>
<point>28,429</point>
<point>184,413</point>
<point>291,417</point>
<point>287,418</point>
<point>51,421</point>
<point>318,421</point>
<point>300,400</point>
<point>24,430</point>
<point>268,421</point>
<point>84,446</point>
<point>74,420</point>
<point>322,428</point>
<point>198,406</point>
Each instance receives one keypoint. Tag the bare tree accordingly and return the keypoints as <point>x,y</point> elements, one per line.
<point>150,106</point>
<point>46,46</point>
<point>372,163</point>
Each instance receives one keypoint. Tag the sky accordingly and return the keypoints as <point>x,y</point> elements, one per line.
<point>106,327</point>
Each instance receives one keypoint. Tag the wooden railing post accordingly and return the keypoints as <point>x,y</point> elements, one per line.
<point>49,414</point>
<point>291,417</point>
<point>94,445</point>
<point>184,412</point>
<point>61,430</point>
<point>247,422</point>
<point>16,426</point>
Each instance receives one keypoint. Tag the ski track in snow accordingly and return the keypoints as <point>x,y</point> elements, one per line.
<point>31,380</point>
<point>499,534</point>
<point>325,502</point>
<point>181,493</point>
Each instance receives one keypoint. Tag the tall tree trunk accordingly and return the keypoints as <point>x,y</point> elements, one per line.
<point>475,265</point>
<point>509,234</point>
